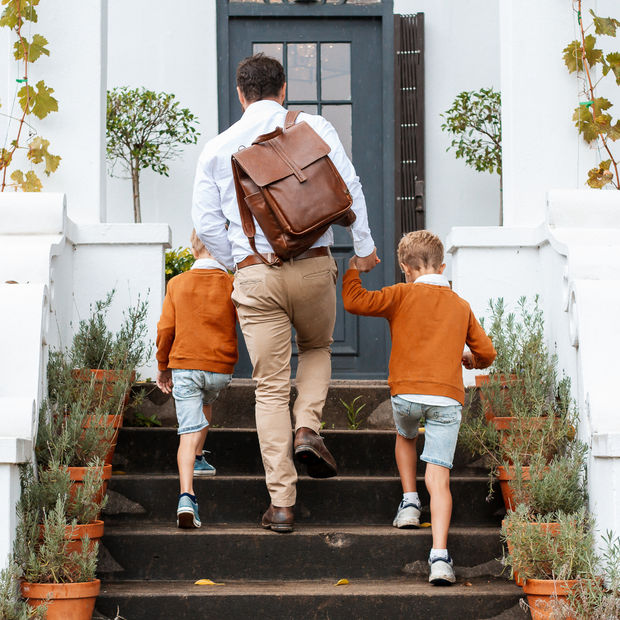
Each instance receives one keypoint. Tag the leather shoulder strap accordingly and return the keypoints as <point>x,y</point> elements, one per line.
<point>291,118</point>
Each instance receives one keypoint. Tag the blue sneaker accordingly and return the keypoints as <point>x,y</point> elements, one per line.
<point>187,512</point>
<point>408,516</point>
<point>442,571</point>
<point>202,468</point>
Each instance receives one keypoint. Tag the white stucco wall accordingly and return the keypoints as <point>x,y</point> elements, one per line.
<point>163,57</point>
<point>148,48</point>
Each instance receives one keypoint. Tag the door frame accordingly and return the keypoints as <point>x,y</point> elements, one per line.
<point>384,11</point>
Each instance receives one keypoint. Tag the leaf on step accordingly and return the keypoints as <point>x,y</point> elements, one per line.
<point>119,473</point>
<point>342,582</point>
<point>466,583</point>
<point>207,582</point>
<point>425,524</point>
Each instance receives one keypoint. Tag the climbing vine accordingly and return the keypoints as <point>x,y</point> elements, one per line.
<point>36,100</point>
<point>592,117</point>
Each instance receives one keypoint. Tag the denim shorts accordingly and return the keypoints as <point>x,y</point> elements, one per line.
<point>441,426</point>
<point>191,389</point>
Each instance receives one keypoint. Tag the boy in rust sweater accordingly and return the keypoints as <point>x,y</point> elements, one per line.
<point>196,354</point>
<point>430,326</point>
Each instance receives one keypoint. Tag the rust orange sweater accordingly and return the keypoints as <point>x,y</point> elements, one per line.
<point>196,330</point>
<point>430,326</point>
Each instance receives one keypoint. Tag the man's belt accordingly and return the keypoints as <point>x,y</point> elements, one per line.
<point>311,253</point>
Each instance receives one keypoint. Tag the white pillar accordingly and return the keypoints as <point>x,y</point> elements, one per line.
<point>540,144</point>
<point>77,71</point>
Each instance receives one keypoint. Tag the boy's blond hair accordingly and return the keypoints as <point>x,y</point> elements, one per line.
<point>421,249</point>
<point>197,245</point>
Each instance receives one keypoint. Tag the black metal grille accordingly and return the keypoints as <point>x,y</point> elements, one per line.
<point>409,119</point>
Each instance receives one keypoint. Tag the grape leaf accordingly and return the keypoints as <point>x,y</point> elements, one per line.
<point>572,56</point>
<point>605,25</point>
<point>17,11</point>
<point>5,158</point>
<point>38,152</point>
<point>32,50</point>
<point>30,183</point>
<point>601,176</point>
<point>39,102</point>
<point>593,56</point>
<point>612,63</point>
<point>583,122</point>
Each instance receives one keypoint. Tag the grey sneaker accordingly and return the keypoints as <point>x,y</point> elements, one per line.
<point>408,516</point>
<point>442,571</point>
<point>187,512</point>
<point>202,468</point>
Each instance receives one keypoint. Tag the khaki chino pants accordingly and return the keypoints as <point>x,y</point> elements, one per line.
<point>269,300</point>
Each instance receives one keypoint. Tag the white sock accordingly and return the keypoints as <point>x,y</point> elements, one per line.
<point>439,553</point>
<point>411,498</point>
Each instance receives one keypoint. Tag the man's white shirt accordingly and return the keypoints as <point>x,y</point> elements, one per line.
<point>215,201</point>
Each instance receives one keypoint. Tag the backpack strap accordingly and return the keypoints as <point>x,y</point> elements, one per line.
<point>291,118</point>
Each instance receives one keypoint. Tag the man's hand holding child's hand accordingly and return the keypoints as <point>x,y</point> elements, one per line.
<point>164,380</point>
<point>468,360</point>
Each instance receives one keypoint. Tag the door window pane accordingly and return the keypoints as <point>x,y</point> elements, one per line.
<point>308,109</point>
<point>301,71</point>
<point>275,50</point>
<point>340,117</point>
<point>336,71</point>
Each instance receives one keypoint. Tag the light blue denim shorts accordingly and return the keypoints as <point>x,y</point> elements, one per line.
<point>441,426</point>
<point>191,389</point>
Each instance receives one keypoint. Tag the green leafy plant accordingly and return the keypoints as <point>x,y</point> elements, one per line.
<point>562,551</point>
<point>144,130</point>
<point>12,606</point>
<point>352,413</point>
<point>591,116</point>
<point>475,120</point>
<point>32,99</point>
<point>147,421</point>
<point>178,261</point>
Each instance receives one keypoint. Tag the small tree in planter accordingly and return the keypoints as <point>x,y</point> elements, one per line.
<point>145,130</point>
<point>475,118</point>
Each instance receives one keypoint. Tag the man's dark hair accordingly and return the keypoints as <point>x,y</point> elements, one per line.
<point>260,77</point>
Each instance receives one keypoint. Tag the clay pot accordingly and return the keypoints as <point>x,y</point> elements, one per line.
<point>539,593</point>
<point>504,477</point>
<point>69,601</point>
<point>489,411</point>
<point>77,477</point>
<point>94,531</point>
<point>103,379</point>
<point>115,421</point>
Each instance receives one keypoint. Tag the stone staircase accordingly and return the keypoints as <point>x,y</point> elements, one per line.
<point>343,531</point>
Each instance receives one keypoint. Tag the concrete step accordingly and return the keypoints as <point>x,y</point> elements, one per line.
<point>363,500</point>
<point>234,407</point>
<point>404,599</point>
<point>236,451</point>
<point>225,552</point>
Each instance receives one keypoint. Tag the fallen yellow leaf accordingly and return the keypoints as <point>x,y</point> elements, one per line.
<point>467,583</point>
<point>342,582</point>
<point>425,524</point>
<point>207,582</point>
<point>119,473</point>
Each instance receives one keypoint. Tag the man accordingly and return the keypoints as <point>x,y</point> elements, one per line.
<point>301,293</point>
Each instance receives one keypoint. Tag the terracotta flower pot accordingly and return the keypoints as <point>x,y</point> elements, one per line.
<point>69,601</point>
<point>115,421</point>
<point>489,411</point>
<point>103,379</point>
<point>94,531</point>
<point>505,475</point>
<point>77,477</point>
<point>540,592</point>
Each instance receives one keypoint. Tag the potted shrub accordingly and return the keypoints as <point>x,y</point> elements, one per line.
<point>82,506</point>
<point>12,606</point>
<point>52,575</point>
<point>550,553</point>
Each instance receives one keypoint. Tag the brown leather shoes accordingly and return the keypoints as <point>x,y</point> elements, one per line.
<point>279,519</point>
<point>311,451</point>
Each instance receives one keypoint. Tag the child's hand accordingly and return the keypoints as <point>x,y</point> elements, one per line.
<point>352,263</point>
<point>468,360</point>
<point>164,380</point>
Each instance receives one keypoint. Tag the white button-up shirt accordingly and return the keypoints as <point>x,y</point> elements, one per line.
<point>215,201</point>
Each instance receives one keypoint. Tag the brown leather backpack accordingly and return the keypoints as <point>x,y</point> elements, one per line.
<point>287,181</point>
